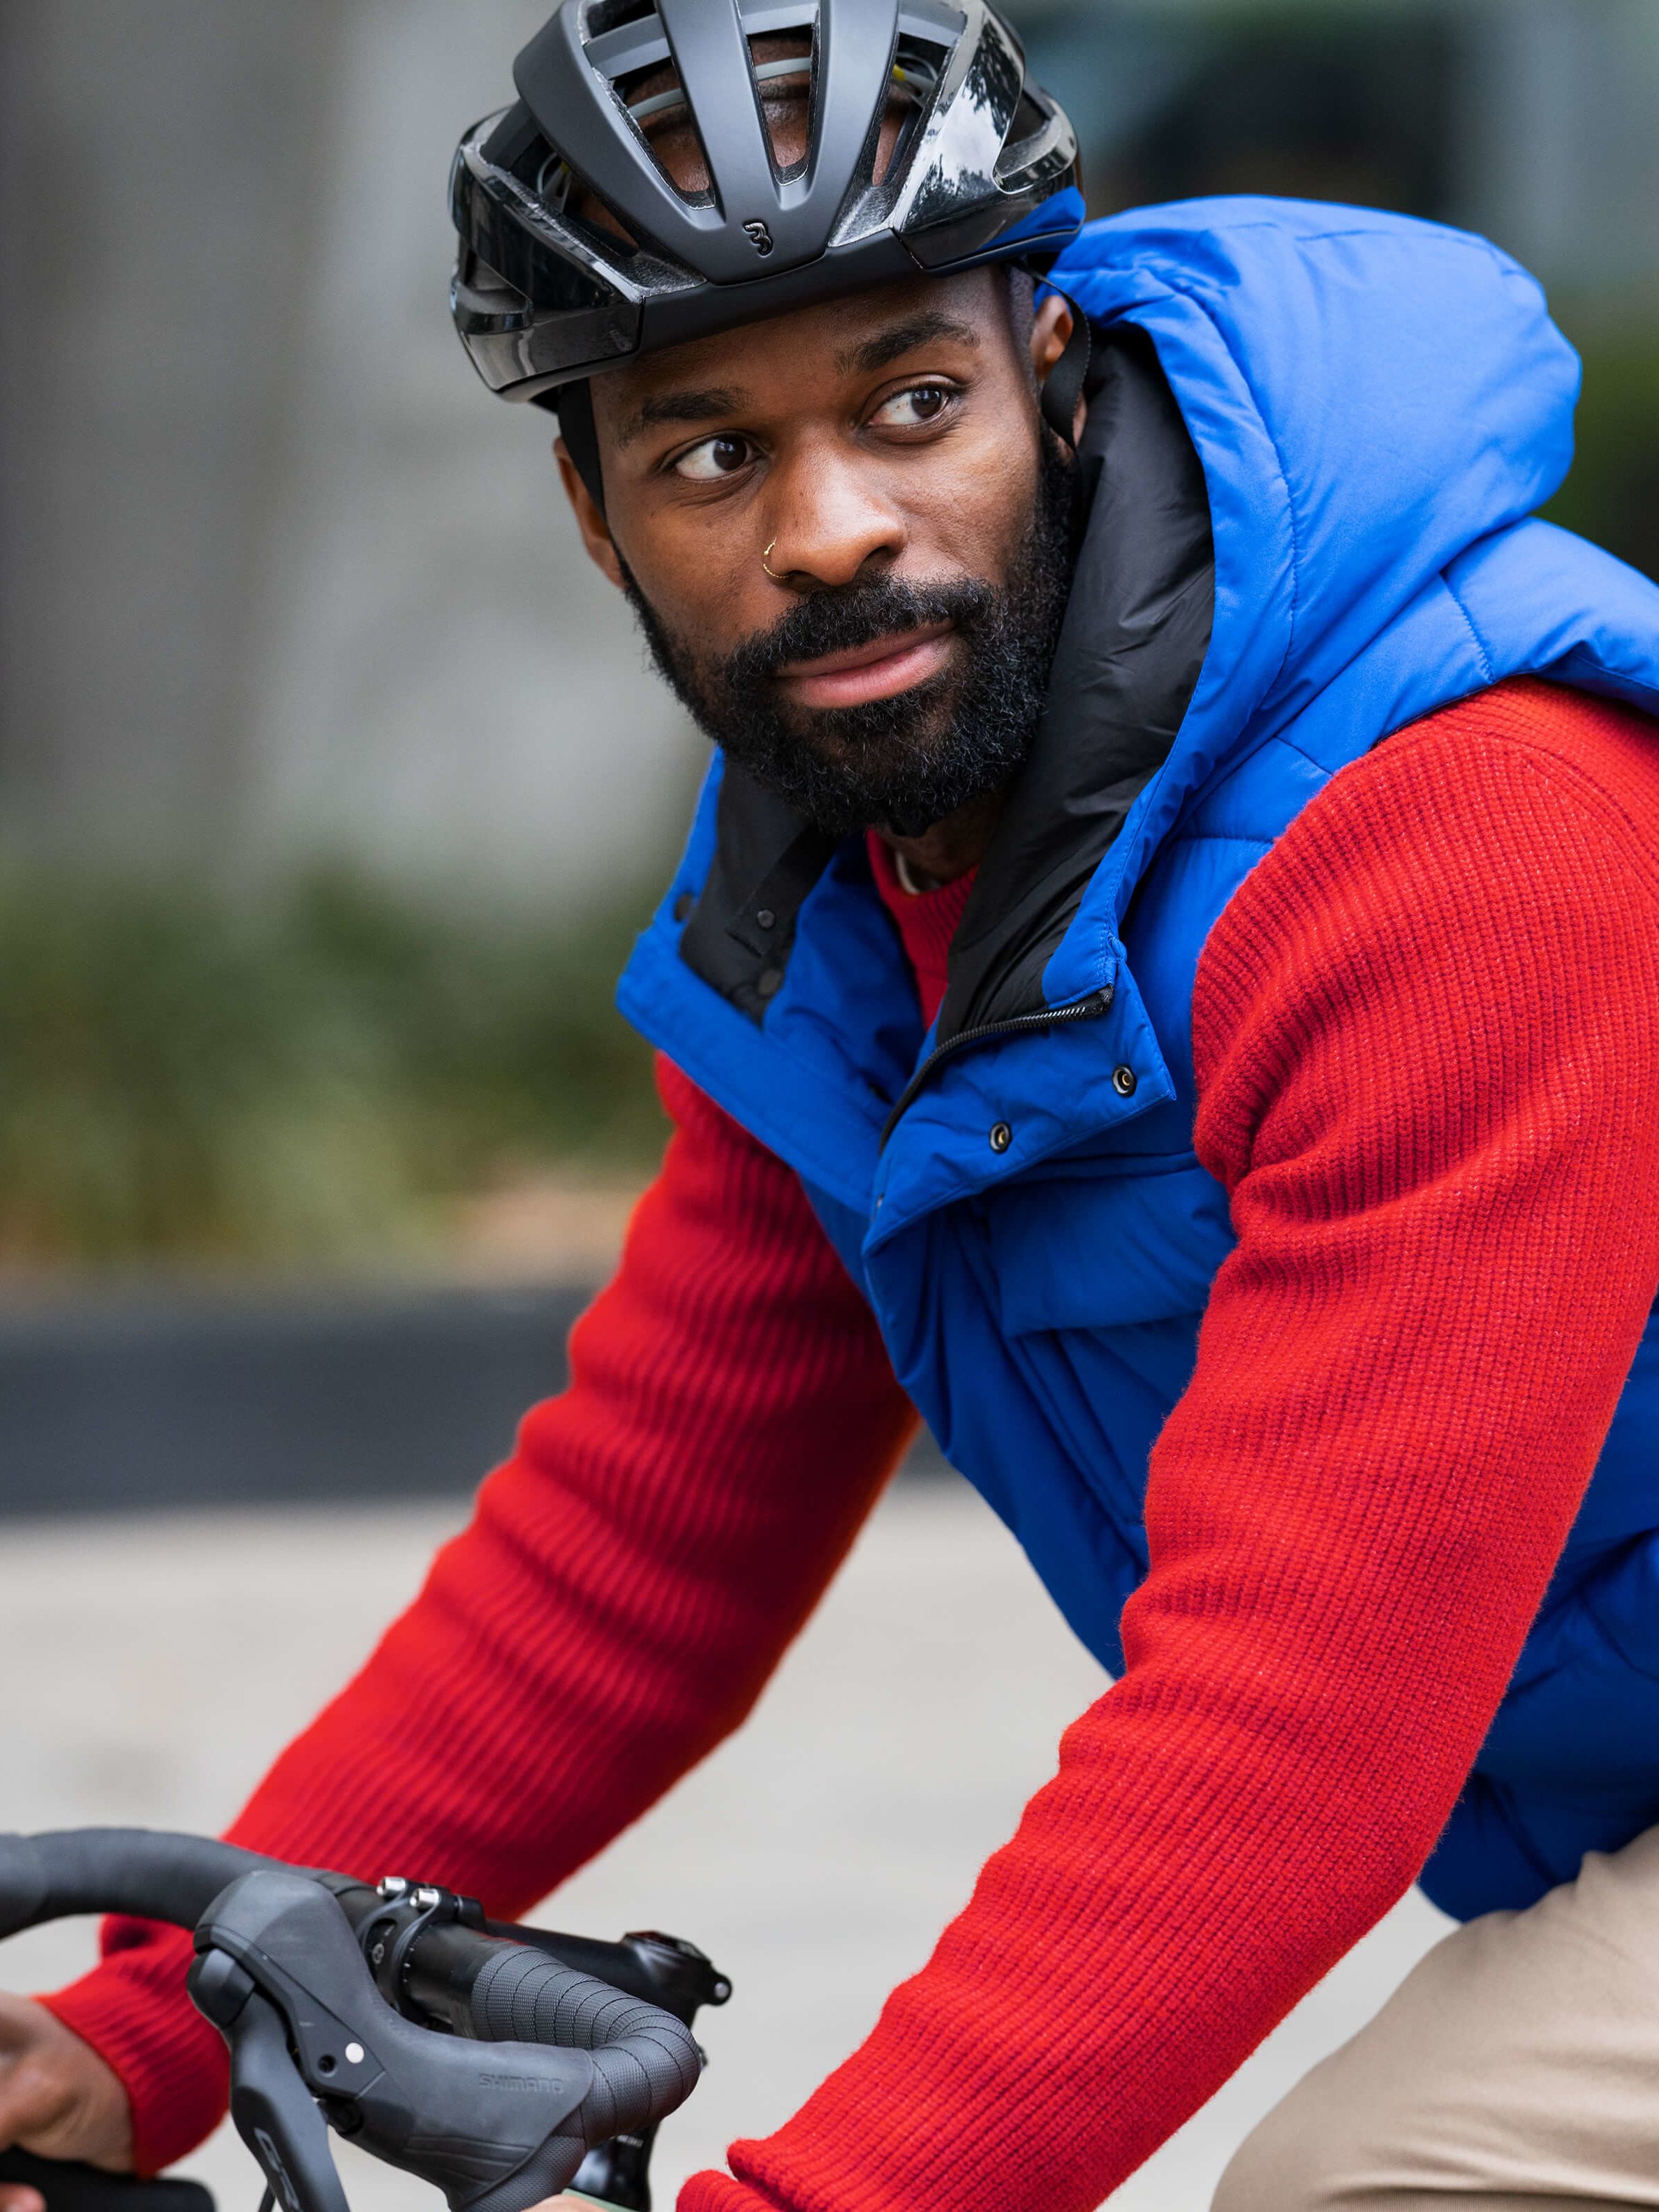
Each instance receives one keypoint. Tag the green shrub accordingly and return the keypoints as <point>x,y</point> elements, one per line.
<point>186,1077</point>
<point>1612,494</point>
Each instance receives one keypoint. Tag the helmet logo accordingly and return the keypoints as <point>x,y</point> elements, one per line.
<point>759,237</point>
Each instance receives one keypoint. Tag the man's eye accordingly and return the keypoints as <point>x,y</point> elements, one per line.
<point>713,458</point>
<point>914,407</point>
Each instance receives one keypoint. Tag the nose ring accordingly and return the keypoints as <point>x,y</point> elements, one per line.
<point>772,573</point>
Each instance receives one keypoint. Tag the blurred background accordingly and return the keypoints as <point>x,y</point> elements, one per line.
<point>332,787</point>
<point>331,781</point>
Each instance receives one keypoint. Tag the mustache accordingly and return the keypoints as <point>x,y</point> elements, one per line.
<point>836,619</point>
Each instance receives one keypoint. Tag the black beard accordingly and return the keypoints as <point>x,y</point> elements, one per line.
<point>900,765</point>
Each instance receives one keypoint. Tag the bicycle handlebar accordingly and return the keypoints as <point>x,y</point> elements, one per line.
<point>146,1872</point>
<point>327,1990</point>
<point>68,2186</point>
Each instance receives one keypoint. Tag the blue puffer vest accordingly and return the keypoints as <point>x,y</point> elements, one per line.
<point>1317,441</point>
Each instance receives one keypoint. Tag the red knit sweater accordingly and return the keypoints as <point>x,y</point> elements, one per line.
<point>1429,1079</point>
<point>926,922</point>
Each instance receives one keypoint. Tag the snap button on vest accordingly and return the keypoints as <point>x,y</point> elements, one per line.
<point>765,918</point>
<point>1001,1136</point>
<point>769,982</point>
<point>1123,1082</point>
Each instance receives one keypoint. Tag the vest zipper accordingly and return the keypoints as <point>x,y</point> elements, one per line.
<point>1080,1010</point>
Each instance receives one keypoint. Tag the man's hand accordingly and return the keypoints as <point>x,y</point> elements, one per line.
<point>56,2097</point>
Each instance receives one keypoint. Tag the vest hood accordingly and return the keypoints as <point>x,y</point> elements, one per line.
<point>1369,396</point>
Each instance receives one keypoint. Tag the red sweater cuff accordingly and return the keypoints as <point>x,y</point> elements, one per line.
<point>134,2012</point>
<point>713,2191</point>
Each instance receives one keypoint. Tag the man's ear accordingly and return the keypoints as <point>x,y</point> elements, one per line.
<point>596,532</point>
<point>1050,330</point>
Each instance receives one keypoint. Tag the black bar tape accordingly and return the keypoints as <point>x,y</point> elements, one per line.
<point>646,2063</point>
<point>68,2186</point>
<point>148,1872</point>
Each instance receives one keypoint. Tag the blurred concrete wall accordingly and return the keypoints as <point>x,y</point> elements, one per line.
<point>1558,156</point>
<point>1546,108</point>
<point>280,578</point>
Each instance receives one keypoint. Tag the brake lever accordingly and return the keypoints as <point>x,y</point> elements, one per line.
<point>279,2122</point>
<point>279,1971</point>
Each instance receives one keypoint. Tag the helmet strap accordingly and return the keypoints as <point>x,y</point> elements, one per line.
<point>574,403</point>
<point>1063,386</point>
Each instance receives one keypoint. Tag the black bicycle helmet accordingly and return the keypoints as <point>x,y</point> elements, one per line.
<point>984,169</point>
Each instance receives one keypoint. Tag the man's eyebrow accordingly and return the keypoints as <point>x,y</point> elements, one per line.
<point>678,407</point>
<point>892,345</point>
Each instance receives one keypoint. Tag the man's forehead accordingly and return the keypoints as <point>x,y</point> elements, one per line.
<point>857,335</point>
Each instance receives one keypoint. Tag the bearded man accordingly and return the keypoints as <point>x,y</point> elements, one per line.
<point>1161,982</point>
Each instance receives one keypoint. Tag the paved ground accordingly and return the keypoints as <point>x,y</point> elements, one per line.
<point>153,1665</point>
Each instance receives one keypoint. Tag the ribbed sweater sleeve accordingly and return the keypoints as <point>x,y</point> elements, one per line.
<point>1428,1078</point>
<point>628,1583</point>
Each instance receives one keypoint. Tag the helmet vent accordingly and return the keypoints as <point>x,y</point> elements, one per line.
<point>783,79</point>
<point>615,14</point>
<point>628,48</point>
<point>644,78</point>
<point>918,65</point>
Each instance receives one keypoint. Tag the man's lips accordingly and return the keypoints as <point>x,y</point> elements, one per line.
<point>879,669</point>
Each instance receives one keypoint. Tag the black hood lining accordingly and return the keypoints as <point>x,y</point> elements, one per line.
<point>1136,631</point>
<point>766,859</point>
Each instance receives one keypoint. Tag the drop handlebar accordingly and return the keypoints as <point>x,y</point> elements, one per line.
<point>364,2008</point>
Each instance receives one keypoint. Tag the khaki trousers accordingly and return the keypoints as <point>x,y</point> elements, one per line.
<point>1517,2066</point>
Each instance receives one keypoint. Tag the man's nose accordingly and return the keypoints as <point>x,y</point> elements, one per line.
<point>826,517</point>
